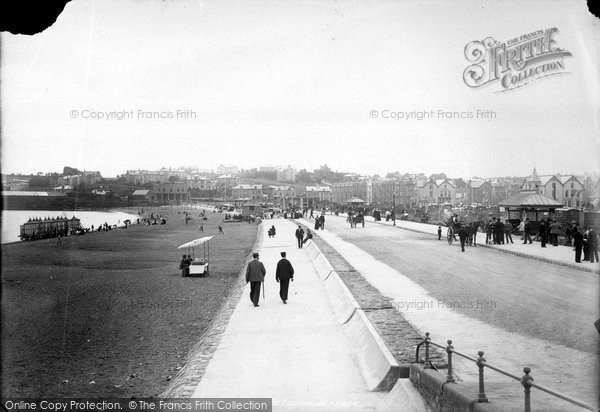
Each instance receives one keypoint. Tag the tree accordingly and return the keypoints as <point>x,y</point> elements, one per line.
<point>304,176</point>
<point>40,181</point>
<point>69,171</point>
<point>460,183</point>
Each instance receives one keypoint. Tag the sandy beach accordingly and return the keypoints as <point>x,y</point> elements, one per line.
<point>108,313</point>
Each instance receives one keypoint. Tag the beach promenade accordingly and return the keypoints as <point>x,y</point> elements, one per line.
<point>297,354</point>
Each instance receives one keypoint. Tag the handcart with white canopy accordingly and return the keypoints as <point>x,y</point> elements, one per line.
<point>198,265</point>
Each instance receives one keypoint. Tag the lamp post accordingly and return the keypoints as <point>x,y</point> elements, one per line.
<point>394,206</point>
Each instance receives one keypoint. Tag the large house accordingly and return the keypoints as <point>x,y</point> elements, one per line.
<point>165,193</point>
<point>245,191</point>
<point>317,195</point>
<point>565,189</point>
<point>281,192</point>
<point>438,191</point>
<point>479,191</point>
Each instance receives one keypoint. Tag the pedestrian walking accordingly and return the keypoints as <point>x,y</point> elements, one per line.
<point>201,228</point>
<point>586,245</point>
<point>543,233</point>
<point>499,232</point>
<point>521,228</point>
<point>593,245</point>
<point>299,236</point>
<point>255,274</point>
<point>322,218</point>
<point>283,274</point>
<point>489,228</point>
<point>578,243</point>
<point>555,231</point>
<point>508,227</point>
<point>462,235</point>
<point>439,233</point>
<point>221,230</point>
<point>526,234</point>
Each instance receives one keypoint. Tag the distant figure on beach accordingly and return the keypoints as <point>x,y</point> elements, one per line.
<point>58,240</point>
<point>283,274</point>
<point>255,274</point>
<point>221,230</point>
<point>201,228</point>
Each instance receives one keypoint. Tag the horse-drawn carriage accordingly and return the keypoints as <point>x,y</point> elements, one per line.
<point>453,223</point>
<point>356,219</point>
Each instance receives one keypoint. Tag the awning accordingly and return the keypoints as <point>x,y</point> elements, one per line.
<point>196,242</point>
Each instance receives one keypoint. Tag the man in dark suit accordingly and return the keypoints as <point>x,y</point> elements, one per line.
<point>255,274</point>
<point>499,232</point>
<point>526,230</point>
<point>462,235</point>
<point>578,243</point>
<point>299,236</point>
<point>592,241</point>
<point>543,233</point>
<point>283,274</point>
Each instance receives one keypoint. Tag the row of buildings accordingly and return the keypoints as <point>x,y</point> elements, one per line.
<point>569,190</point>
<point>202,179</point>
<point>176,192</point>
<point>178,184</point>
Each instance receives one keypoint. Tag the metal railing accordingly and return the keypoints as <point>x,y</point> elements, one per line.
<point>526,380</point>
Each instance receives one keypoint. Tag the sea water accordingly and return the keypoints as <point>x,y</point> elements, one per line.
<point>12,219</point>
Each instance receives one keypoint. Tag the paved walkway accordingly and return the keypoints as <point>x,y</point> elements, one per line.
<point>571,371</point>
<point>297,354</point>
<point>561,255</point>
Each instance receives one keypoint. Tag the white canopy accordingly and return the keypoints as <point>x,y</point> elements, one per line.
<point>196,242</point>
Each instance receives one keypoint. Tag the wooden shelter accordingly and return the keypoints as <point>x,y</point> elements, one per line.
<point>528,204</point>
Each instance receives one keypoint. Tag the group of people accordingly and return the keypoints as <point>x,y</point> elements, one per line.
<point>548,232</point>
<point>255,275</point>
<point>320,222</point>
<point>585,241</point>
<point>498,231</point>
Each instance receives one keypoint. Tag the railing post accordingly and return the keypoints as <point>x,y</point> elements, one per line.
<point>427,339</point>
<point>449,349</point>
<point>480,364</point>
<point>526,382</point>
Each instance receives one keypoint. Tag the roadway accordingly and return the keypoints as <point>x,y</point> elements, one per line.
<point>521,311</point>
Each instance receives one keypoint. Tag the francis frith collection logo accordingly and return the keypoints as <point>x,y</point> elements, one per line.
<point>516,62</point>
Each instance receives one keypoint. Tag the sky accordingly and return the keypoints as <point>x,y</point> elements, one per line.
<point>300,83</point>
